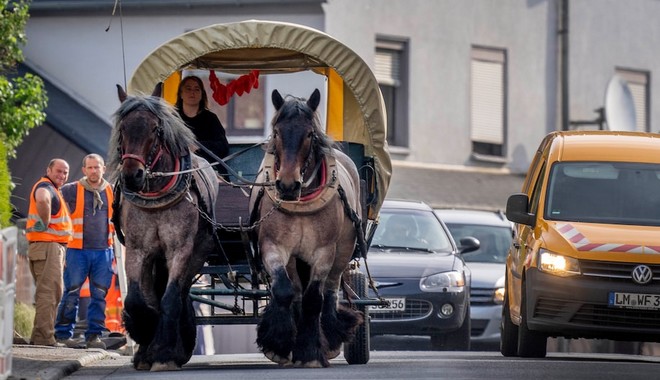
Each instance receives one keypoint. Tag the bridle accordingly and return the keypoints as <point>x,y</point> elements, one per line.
<point>155,153</point>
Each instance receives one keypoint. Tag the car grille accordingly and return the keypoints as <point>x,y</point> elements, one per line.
<point>477,327</point>
<point>597,315</point>
<point>615,272</point>
<point>415,309</point>
<point>481,296</point>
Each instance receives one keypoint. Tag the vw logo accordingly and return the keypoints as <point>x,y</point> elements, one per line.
<point>642,274</point>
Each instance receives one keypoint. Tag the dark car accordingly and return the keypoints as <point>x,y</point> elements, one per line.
<point>487,265</point>
<point>417,267</point>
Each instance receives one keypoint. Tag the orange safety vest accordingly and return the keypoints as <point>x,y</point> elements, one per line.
<point>78,216</point>
<point>59,230</point>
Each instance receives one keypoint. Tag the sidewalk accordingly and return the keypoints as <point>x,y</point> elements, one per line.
<point>50,363</point>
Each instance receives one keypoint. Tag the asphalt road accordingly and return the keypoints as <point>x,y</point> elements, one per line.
<point>394,365</point>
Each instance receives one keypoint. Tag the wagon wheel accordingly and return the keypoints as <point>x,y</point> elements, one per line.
<point>357,351</point>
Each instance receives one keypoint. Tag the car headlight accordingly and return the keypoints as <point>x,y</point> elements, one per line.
<point>558,265</point>
<point>443,282</point>
<point>500,288</point>
<point>498,297</point>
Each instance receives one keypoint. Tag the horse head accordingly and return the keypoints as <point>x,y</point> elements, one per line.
<point>297,142</point>
<point>145,139</point>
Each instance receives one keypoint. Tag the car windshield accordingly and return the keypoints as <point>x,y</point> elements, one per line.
<point>494,241</point>
<point>411,230</point>
<point>604,192</point>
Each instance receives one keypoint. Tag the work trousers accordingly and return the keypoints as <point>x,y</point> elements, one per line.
<point>46,266</point>
<point>80,264</point>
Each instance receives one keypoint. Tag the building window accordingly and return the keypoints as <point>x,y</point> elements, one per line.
<point>391,70</point>
<point>488,102</point>
<point>638,83</point>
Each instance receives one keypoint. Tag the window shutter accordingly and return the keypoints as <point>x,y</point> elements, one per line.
<point>387,68</point>
<point>638,84</point>
<point>487,107</point>
<point>638,92</point>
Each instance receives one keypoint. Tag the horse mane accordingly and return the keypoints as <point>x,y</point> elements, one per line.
<point>176,136</point>
<point>296,108</point>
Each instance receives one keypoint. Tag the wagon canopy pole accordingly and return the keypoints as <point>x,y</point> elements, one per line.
<point>121,28</point>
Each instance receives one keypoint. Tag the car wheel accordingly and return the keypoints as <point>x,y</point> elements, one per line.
<point>458,340</point>
<point>508,330</point>
<point>357,351</point>
<point>531,344</point>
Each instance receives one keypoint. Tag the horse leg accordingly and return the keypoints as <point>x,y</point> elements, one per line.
<point>138,319</point>
<point>310,343</point>
<point>166,348</point>
<point>276,330</point>
<point>338,323</point>
<point>188,328</point>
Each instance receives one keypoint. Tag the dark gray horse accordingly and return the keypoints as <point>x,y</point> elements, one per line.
<point>164,201</point>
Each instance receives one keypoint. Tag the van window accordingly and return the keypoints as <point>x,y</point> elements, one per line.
<point>604,192</point>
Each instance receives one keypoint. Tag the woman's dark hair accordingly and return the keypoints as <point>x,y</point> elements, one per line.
<point>203,103</point>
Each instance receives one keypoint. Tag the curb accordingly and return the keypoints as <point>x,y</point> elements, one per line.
<point>67,367</point>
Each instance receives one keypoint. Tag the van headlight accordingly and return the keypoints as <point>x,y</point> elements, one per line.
<point>443,282</point>
<point>558,265</point>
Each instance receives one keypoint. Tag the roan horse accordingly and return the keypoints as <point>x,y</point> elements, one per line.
<point>305,237</point>
<point>166,222</point>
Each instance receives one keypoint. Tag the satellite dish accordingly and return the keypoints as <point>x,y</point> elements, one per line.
<point>619,106</point>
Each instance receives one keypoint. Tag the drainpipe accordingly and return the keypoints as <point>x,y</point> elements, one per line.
<point>562,30</point>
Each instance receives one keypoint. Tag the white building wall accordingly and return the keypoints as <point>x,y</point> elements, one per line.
<point>441,34</point>
<point>77,53</point>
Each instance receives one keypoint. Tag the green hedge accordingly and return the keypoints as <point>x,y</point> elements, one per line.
<point>5,189</point>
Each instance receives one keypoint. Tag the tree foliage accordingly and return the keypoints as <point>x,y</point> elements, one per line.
<point>22,98</point>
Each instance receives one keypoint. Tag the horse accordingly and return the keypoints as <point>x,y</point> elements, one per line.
<point>305,233</point>
<point>166,223</point>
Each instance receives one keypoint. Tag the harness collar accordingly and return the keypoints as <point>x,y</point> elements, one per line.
<point>311,202</point>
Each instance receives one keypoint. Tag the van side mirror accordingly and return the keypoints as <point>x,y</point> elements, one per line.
<point>517,210</point>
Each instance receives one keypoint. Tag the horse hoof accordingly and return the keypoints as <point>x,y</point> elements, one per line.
<point>281,360</point>
<point>169,366</point>
<point>332,354</point>
<point>143,366</point>
<point>312,364</point>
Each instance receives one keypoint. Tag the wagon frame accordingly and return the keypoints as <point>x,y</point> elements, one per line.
<point>355,119</point>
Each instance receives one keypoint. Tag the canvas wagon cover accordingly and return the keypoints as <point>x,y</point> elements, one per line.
<point>272,47</point>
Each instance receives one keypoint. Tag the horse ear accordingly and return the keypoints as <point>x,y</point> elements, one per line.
<point>277,100</point>
<point>121,94</point>
<point>158,90</point>
<point>314,100</point>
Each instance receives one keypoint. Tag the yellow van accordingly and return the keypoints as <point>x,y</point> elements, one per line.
<point>585,258</point>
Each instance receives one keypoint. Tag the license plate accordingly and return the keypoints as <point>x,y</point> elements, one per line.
<point>396,305</point>
<point>635,300</point>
